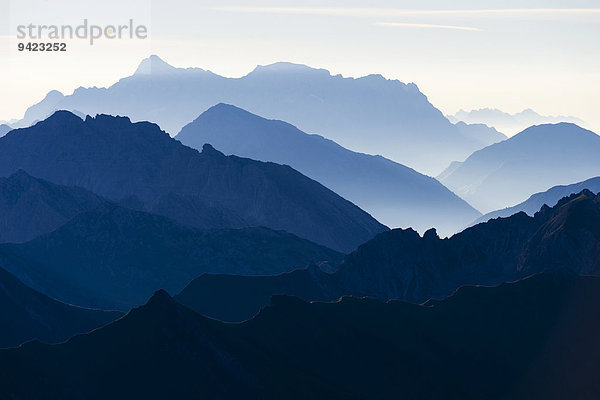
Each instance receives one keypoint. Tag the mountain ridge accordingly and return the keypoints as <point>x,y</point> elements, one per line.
<point>540,329</point>
<point>140,164</point>
<point>401,264</point>
<point>536,159</point>
<point>391,192</point>
<point>370,114</point>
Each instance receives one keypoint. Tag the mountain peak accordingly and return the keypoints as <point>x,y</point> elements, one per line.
<point>154,65</point>
<point>62,117</point>
<point>209,150</point>
<point>160,298</point>
<point>288,67</point>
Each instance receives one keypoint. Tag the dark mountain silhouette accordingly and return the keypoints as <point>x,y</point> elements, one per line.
<point>115,258</point>
<point>30,207</point>
<point>141,166</point>
<point>4,129</point>
<point>550,197</point>
<point>391,192</point>
<point>540,157</point>
<point>370,114</point>
<point>26,315</point>
<point>400,264</point>
<point>533,339</point>
<point>234,298</point>
<point>509,123</point>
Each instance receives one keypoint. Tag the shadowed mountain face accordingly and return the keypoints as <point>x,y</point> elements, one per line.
<point>369,114</point>
<point>26,314</point>
<point>540,157</point>
<point>550,197</point>
<point>533,339</point>
<point>391,192</point>
<point>30,207</point>
<point>116,258</point>
<point>141,166</point>
<point>400,264</point>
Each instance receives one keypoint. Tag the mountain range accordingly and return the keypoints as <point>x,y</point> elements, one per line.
<point>115,258</point>
<point>370,114</point>
<point>140,166</point>
<point>27,315</point>
<point>509,123</point>
<point>30,207</point>
<point>540,157</point>
<point>533,339</point>
<point>403,265</point>
<point>550,197</point>
<point>394,194</point>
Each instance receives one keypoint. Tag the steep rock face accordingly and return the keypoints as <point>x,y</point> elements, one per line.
<point>116,258</point>
<point>540,157</point>
<point>26,315</point>
<point>140,164</point>
<point>394,194</point>
<point>532,339</point>
<point>400,264</point>
<point>30,207</point>
<point>370,114</point>
<point>570,237</point>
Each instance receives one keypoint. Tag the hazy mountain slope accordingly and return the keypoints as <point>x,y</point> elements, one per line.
<point>30,207</point>
<point>533,339</point>
<point>540,157</point>
<point>116,258</point>
<point>400,264</point>
<point>391,192</point>
<point>26,314</point>
<point>509,123</point>
<point>550,197</point>
<point>140,165</point>
<point>484,134</point>
<point>370,114</point>
<point>4,129</point>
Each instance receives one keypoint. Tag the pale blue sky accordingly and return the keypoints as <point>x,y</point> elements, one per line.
<point>510,55</point>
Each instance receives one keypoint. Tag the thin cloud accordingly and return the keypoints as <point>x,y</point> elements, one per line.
<point>430,26</point>
<point>384,12</point>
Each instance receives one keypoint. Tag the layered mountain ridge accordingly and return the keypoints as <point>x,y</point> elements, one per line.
<point>481,342</point>
<point>401,264</point>
<point>391,192</point>
<point>140,166</point>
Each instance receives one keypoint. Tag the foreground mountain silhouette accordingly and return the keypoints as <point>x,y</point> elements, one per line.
<point>400,264</point>
<point>533,339</point>
<point>550,197</point>
<point>391,192</point>
<point>26,315</point>
<point>115,258</point>
<point>509,123</point>
<point>540,157</point>
<point>141,166</point>
<point>30,207</point>
<point>370,114</point>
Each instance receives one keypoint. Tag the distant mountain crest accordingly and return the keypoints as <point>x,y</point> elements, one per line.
<point>510,123</point>
<point>536,159</point>
<point>369,114</point>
